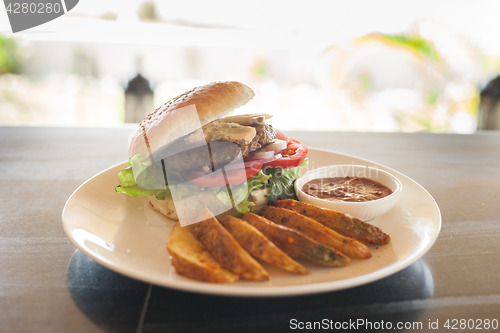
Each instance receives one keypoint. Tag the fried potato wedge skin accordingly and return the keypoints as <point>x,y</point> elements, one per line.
<point>191,259</point>
<point>258,245</point>
<point>346,225</point>
<point>226,250</point>
<point>317,231</point>
<point>296,244</point>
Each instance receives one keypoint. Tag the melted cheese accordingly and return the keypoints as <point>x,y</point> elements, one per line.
<point>238,129</point>
<point>247,119</point>
<point>228,132</point>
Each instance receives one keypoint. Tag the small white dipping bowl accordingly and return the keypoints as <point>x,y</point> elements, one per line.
<point>365,210</point>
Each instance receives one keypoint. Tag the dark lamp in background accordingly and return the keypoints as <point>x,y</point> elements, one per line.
<point>489,108</point>
<point>138,99</point>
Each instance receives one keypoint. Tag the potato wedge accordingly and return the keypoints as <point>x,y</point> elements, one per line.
<point>348,226</point>
<point>259,245</point>
<point>191,259</point>
<point>317,231</point>
<point>296,244</point>
<point>226,250</point>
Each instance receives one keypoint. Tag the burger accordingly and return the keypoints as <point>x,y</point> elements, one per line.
<point>190,153</point>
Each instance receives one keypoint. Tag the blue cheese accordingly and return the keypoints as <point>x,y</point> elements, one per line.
<point>229,132</point>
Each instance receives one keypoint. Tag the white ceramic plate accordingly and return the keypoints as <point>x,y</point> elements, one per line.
<point>127,236</point>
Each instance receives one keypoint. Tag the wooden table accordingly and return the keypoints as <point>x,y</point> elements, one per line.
<point>46,285</point>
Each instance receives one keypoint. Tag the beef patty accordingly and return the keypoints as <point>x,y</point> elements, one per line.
<point>219,153</point>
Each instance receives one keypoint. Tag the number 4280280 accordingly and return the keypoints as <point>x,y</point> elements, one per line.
<point>471,324</point>
<point>34,8</point>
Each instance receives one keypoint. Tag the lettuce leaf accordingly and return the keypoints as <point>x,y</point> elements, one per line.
<point>137,191</point>
<point>281,182</point>
<point>258,181</point>
<point>142,179</point>
<point>241,192</point>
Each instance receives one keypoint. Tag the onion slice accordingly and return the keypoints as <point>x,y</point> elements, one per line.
<point>276,146</point>
<point>265,160</point>
<point>251,163</point>
<point>261,155</point>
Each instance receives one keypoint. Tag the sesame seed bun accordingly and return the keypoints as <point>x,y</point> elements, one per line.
<point>186,113</point>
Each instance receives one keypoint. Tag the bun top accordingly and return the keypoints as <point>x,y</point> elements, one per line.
<point>186,113</point>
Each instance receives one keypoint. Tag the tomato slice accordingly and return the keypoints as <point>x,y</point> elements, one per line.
<point>252,170</point>
<point>292,156</point>
<point>233,176</point>
<point>280,135</point>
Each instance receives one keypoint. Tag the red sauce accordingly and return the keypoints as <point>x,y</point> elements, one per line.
<point>352,189</point>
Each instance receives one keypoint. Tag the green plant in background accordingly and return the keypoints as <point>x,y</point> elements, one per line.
<point>366,82</point>
<point>417,44</point>
<point>147,12</point>
<point>432,96</point>
<point>11,59</point>
<point>490,65</point>
<point>428,126</point>
<point>473,103</point>
<point>260,70</point>
<point>84,63</point>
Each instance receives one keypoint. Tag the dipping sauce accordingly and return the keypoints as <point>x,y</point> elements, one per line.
<point>351,189</point>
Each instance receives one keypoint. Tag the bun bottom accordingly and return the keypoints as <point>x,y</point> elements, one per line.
<point>165,207</point>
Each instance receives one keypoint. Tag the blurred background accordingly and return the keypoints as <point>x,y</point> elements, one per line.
<point>382,65</point>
